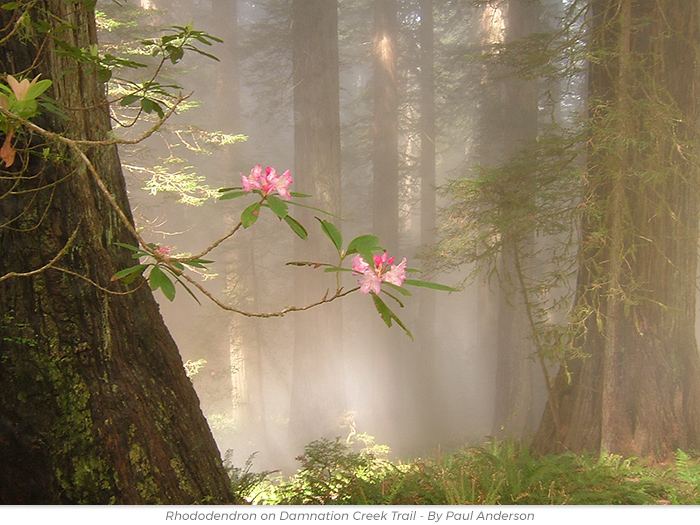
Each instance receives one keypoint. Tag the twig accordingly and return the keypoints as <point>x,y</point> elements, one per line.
<point>50,264</point>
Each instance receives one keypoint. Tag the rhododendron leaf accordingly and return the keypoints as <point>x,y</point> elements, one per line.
<point>129,99</point>
<point>232,195</point>
<point>189,291</point>
<point>398,289</point>
<point>177,278</point>
<point>332,233</point>
<point>296,227</point>
<point>333,269</point>
<point>250,215</point>
<point>432,286</point>
<point>297,194</point>
<point>38,88</point>
<point>313,209</point>
<point>128,275</point>
<point>128,246</point>
<point>197,263</point>
<point>383,309</point>
<point>365,245</point>
<point>158,279</point>
<point>387,315</point>
<point>277,205</point>
<point>177,265</point>
<point>393,297</point>
<point>308,263</point>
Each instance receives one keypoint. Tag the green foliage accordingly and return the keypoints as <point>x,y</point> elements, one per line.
<point>497,473</point>
<point>331,473</point>
<point>163,269</point>
<point>245,483</point>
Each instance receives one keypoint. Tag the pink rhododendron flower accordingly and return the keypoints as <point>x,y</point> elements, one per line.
<point>359,265</point>
<point>370,282</point>
<point>268,181</point>
<point>253,182</point>
<point>163,251</point>
<point>371,277</point>
<point>397,274</point>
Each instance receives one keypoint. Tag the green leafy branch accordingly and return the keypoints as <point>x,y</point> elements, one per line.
<point>161,268</point>
<point>366,246</point>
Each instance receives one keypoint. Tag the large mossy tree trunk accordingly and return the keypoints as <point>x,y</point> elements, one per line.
<point>95,406</point>
<point>637,391</point>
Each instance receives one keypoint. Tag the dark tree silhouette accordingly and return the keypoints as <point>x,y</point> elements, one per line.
<point>95,404</point>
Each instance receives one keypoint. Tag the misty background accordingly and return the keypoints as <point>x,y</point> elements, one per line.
<point>270,386</point>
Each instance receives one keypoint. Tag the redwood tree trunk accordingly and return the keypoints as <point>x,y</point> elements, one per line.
<point>638,390</point>
<point>318,395</point>
<point>95,406</point>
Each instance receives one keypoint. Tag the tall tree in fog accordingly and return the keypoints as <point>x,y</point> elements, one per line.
<point>385,215</point>
<point>638,390</point>
<point>384,352</point>
<point>317,387</point>
<point>509,124</point>
<point>95,406</point>
<point>427,124</point>
<point>224,15</point>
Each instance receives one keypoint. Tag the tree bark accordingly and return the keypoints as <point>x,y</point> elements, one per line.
<point>95,406</point>
<point>637,391</point>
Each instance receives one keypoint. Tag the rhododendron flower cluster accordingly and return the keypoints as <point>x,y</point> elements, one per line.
<point>267,181</point>
<point>371,277</point>
<point>163,251</point>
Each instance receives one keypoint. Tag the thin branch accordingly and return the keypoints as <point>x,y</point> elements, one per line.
<point>93,283</point>
<point>50,264</point>
<point>325,299</point>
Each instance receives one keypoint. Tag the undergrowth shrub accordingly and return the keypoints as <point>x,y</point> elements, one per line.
<point>496,473</point>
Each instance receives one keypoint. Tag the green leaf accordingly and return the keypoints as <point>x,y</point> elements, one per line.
<point>432,286</point>
<point>9,6</point>
<point>189,291</point>
<point>277,205</point>
<point>393,297</point>
<point>296,227</point>
<point>297,194</point>
<point>398,289</point>
<point>128,246</point>
<point>150,105</point>
<point>130,274</point>
<point>384,311</point>
<point>197,263</point>
<point>363,242</point>
<point>387,315</point>
<point>38,88</point>
<point>250,215</point>
<point>308,263</point>
<point>232,195</point>
<point>335,269</point>
<point>129,99</point>
<point>332,233</point>
<point>314,209</point>
<point>176,53</point>
<point>365,245</point>
<point>104,74</point>
<point>158,279</point>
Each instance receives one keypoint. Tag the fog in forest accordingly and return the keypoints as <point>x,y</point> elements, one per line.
<point>270,386</point>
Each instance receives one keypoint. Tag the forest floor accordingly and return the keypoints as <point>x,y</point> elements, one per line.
<point>497,473</point>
